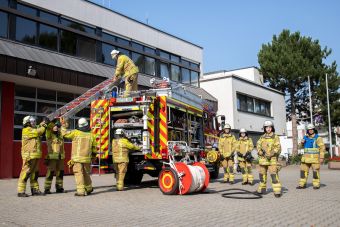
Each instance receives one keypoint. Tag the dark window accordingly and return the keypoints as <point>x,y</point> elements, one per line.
<point>46,108</point>
<point>149,50</point>
<point>46,94</point>
<point>253,105</point>
<point>49,17</point>
<point>241,102</point>
<point>137,46</point>
<point>18,118</point>
<point>17,133</point>
<point>164,55</point>
<point>164,70</point>
<point>138,59</point>
<point>24,105</point>
<point>3,24</point>
<point>25,30</point>
<point>83,113</point>
<point>150,66</point>
<point>106,54</point>
<point>194,78</point>
<point>77,26</point>
<point>194,65</point>
<point>185,63</point>
<point>48,37</point>
<point>122,41</point>
<point>108,37</point>
<point>64,97</point>
<point>175,73</point>
<point>124,51</point>
<point>4,3</point>
<point>68,42</point>
<point>86,48</point>
<point>175,58</point>
<point>185,76</point>
<point>250,105</point>
<point>26,10</point>
<point>27,92</point>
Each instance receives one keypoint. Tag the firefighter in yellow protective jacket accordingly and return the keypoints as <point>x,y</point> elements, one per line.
<point>127,69</point>
<point>314,152</point>
<point>83,149</point>
<point>269,148</point>
<point>55,157</point>
<point>226,147</point>
<point>244,147</point>
<point>120,156</point>
<point>31,154</point>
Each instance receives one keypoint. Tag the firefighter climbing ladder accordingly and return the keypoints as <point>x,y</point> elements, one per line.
<point>84,100</point>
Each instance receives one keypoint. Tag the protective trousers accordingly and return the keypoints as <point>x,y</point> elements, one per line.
<point>304,169</point>
<point>54,167</point>
<point>131,84</point>
<point>29,170</point>
<point>246,172</point>
<point>273,171</point>
<point>120,169</point>
<point>228,166</point>
<point>82,175</point>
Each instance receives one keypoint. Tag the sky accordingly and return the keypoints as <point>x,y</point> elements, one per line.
<point>232,32</point>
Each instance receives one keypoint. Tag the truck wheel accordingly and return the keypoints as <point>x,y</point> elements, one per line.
<point>133,177</point>
<point>215,173</point>
<point>168,181</point>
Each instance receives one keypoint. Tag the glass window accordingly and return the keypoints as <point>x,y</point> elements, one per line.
<point>26,10</point>
<point>27,92</point>
<point>186,63</point>
<point>185,76</point>
<point>124,51</point>
<point>150,66</point>
<point>175,58</point>
<point>68,43</point>
<point>175,73</point>
<point>138,59</point>
<point>164,70</point>
<point>18,118</point>
<point>194,65</point>
<point>17,133</point>
<point>106,54</point>
<point>164,55</point>
<point>46,94</point>
<point>48,17</point>
<point>122,41</point>
<point>46,108</point>
<point>108,37</point>
<point>194,78</point>
<point>250,104</point>
<point>4,3</point>
<point>83,113</point>
<point>86,48</point>
<point>241,102</point>
<point>149,50</point>
<point>64,97</point>
<point>137,46</point>
<point>77,26</point>
<point>24,105</point>
<point>3,24</point>
<point>48,37</point>
<point>25,30</point>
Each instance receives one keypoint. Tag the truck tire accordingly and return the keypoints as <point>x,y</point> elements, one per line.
<point>214,174</point>
<point>168,181</point>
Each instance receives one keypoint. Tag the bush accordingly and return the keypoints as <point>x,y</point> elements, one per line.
<point>295,160</point>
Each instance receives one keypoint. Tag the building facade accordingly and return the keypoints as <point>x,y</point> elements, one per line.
<point>245,101</point>
<point>52,51</point>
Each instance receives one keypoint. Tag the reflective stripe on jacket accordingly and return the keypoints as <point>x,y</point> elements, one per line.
<point>31,142</point>
<point>270,144</point>
<point>120,150</point>
<point>243,146</point>
<point>227,145</point>
<point>125,67</point>
<point>55,144</point>
<point>314,149</point>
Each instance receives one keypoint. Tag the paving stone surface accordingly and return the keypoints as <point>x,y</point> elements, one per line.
<point>147,206</point>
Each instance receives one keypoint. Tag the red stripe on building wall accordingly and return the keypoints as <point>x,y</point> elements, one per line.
<point>6,129</point>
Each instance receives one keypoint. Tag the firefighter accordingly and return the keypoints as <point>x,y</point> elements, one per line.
<point>127,69</point>
<point>120,156</point>
<point>244,147</point>
<point>83,149</point>
<point>226,147</point>
<point>269,148</point>
<point>313,156</point>
<point>55,157</point>
<point>31,154</point>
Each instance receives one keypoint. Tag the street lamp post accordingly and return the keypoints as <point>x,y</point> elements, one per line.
<point>310,102</point>
<point>329,120</point>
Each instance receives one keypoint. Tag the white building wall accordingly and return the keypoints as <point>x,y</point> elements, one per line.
<point>98,16</point>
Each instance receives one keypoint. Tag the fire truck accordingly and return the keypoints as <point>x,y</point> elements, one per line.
<point>168,122</point>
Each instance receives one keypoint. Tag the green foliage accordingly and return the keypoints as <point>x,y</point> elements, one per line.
<point>296,159</point>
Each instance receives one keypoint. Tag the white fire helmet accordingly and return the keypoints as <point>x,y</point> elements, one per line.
<point>310,126</point>
<point>227,126</point>
<point>120,131</point>
<point>243,130</point>
<point>114,53</point>
<point>268,123</point>
<point>82,122</point>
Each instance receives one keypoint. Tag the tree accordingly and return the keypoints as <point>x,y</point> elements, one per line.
<point>286,63</point>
